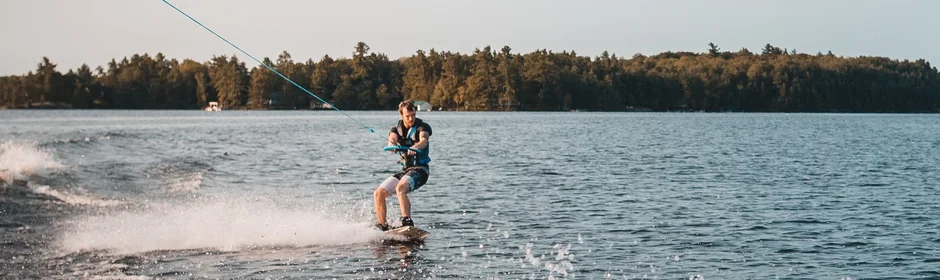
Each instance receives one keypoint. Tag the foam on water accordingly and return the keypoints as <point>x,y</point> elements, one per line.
<point>230,224</point>
<point>120,278</point>
<point>18,159</point>
<point>75,198</point>
<point>561,265</point>
<point>186,183</point>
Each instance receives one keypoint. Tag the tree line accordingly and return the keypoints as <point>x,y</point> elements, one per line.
<point>774,80</point>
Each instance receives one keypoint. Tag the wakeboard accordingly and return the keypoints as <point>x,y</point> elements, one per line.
<point>406,234</point>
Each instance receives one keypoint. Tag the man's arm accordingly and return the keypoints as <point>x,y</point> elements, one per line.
<point>392,139</point>
<point>422,141</point>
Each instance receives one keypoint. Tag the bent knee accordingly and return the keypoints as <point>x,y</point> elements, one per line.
<point>380,193</point>
<point>403,187</point>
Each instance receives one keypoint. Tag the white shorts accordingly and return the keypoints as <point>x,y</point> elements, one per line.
<point>414,177</point>
<point>390,183</point>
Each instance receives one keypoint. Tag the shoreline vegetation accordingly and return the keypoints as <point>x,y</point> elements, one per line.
<point>773,80</point>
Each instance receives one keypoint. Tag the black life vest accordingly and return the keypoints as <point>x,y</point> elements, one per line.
<point>407,137</point>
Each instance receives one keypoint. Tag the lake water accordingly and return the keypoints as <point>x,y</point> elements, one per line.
<point>288,195</point>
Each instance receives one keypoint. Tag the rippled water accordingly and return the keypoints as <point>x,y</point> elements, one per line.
<point>287,194</point>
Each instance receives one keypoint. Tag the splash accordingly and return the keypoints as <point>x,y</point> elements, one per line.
<point>75,198</point>
<point>226,225</point>
<point>561,265</point>
<point>20,159</point>
<point>186,183</point>
<point>181,175</point>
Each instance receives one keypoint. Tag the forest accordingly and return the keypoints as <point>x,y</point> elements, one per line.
<point>712,80</point>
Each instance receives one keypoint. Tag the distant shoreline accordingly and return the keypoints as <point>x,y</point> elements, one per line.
<point>774,80</point>
<point>478,111</point>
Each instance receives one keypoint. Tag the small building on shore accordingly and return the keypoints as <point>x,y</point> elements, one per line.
<point>317,105</point>
<point>213,107</point>
<point>423,105</point>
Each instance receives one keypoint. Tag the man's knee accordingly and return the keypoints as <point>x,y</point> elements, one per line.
<point>403,187</point>
<point>380,193</point>
<point>386,188</point>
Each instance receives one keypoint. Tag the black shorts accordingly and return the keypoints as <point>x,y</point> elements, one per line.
<point>418,174</point>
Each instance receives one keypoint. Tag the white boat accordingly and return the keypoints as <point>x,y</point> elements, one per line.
<point>213,107</point>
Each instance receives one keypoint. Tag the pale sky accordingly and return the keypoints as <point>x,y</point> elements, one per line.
<point>72,32</point>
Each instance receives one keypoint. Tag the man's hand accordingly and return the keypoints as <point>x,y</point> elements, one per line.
<point>422,143</point>
<point>392,141</point>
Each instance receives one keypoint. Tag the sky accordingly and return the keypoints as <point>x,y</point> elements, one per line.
<point>73,32</point>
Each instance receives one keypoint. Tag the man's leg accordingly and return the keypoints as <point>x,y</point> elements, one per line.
<point>402,190</point>
<point>410,181</point>
<point>381,193</point>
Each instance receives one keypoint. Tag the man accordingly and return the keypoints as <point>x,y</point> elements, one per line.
<point>413,133</point>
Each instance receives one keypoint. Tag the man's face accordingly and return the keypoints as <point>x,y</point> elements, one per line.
<point>407,116</point>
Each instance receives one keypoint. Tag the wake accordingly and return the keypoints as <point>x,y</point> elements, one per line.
<point>225,225</point>
<point>19,160</point>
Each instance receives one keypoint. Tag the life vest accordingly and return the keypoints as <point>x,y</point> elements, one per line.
<point>407,138</point>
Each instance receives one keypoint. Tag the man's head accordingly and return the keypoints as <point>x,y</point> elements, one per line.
<point>407,111</point>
